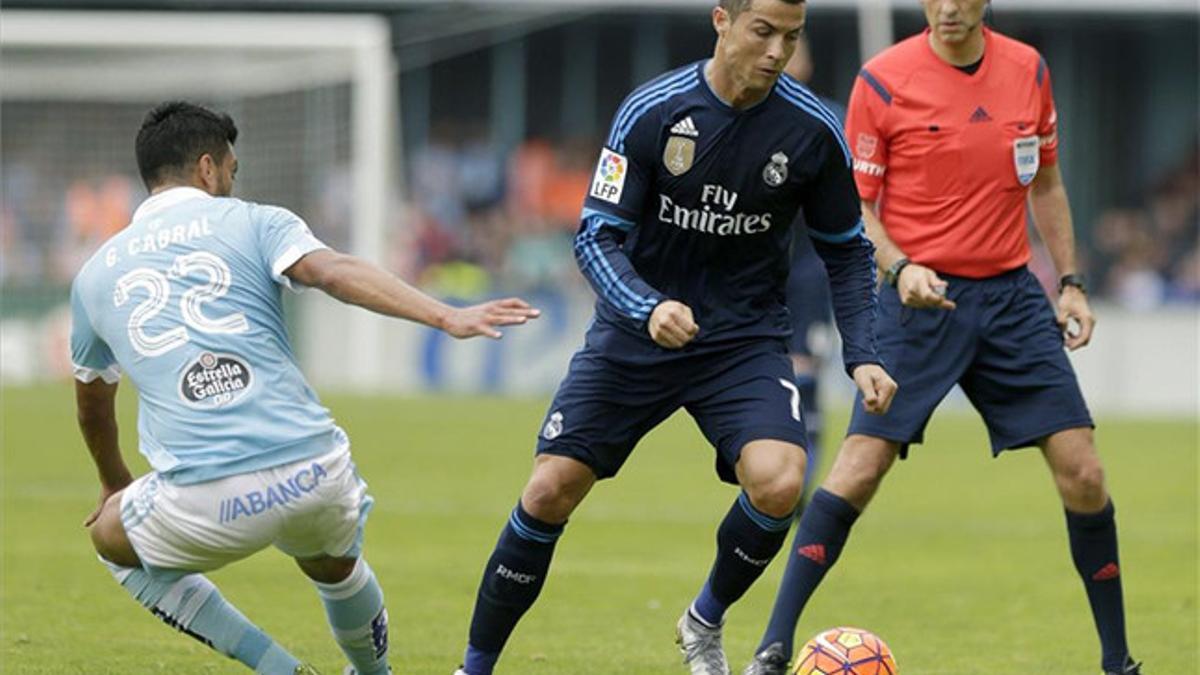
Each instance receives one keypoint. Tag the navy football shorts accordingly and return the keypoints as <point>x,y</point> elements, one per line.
<point>1002,345</point>
<point>736,395</point>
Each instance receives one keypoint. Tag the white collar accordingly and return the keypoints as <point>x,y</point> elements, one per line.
<point>169,197</point>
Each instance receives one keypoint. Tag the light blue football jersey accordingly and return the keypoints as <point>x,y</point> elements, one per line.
<point>187,301</point>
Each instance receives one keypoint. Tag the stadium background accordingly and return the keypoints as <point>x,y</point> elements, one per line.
<point>453,143</point>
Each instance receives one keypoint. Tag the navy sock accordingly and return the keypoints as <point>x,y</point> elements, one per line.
<point>1093,539</point>
<point>511,582</point>
<point>820,537</point>
<point>747,541</point>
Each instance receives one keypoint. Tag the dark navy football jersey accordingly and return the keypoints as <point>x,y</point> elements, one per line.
<point>694,200</point>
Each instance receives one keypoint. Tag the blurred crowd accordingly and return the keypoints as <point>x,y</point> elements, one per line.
<point>481,218</point>
<point>478,219</point>
<point>48,229</point>
<point>1148,256</point>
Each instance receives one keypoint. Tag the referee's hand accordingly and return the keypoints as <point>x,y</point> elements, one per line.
<point>672,325</point>
<point>921,288</point>
<point>877,387</point>
<point>1075,318</point>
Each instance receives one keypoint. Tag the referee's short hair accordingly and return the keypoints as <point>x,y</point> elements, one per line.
<point>735,7</point>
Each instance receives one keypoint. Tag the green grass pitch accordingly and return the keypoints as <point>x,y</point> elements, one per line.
<point>961,564</point>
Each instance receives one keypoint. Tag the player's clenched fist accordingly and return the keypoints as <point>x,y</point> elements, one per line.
<point>671,324</point>
<point>482,319</point>
<point>877,387</point>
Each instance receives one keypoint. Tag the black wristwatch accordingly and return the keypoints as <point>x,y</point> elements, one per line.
<point>892,275</point>
<point>1076,280</point>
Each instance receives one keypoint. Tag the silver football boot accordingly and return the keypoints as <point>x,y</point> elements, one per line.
<point>701,646</point>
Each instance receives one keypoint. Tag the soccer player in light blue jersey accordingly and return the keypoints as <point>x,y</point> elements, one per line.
<point>187,302</point>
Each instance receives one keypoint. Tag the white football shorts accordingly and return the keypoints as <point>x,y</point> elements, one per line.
<point>307,509</point>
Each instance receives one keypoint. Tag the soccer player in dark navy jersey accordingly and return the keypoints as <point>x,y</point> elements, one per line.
<point>686,236</point>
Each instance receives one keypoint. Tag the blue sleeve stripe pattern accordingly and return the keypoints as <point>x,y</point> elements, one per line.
<point>1041,72</point>
<point>841,237</point>
<point>645,99</point>
<point>596,266</point>
<point>809,103</point>
<point>618,222</point>
<point>876,85</point>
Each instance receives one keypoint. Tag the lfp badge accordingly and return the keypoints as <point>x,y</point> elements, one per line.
<point>609,181</point>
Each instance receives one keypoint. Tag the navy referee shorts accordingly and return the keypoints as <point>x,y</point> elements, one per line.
<point>1002,345</point>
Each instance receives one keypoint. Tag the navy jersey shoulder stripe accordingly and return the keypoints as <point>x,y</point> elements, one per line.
<point>646,102</point>
<point>876,85</point>
<point>644,92</point>
<point>1041,71</point>
<point>809,103</point>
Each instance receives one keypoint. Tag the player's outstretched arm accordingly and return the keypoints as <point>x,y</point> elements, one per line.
<point>358,282</point>
<point>1052,216</point>
<point>96,410</point>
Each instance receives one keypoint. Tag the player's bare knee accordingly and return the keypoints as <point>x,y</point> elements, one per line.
<point>556,487</point>
<point>1083,485</point>
<point>327,570</point>
<point>548,498</point>
<point>860,467</point>
<point>778,496</point>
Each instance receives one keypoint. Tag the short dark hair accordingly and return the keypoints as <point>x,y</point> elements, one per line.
<point>735,7</point>
<point>175,134</point>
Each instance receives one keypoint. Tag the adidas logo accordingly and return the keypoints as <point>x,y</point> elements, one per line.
<point>685,127</point>
<point>814,552</point>
<point>980,115</point>
<point>1109,571</point>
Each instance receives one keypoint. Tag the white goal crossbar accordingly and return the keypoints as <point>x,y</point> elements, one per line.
<point>152,56</point>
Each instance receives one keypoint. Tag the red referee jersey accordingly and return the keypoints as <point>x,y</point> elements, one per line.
<point>950,156</point>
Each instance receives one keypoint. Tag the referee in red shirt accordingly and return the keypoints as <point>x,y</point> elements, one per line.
<point>953,133</point>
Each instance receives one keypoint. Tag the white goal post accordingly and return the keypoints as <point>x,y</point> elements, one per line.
<point>323,87</point>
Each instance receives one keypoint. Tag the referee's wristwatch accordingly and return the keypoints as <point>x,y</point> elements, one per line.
<point>1076,280</point>
<point>892,275</point>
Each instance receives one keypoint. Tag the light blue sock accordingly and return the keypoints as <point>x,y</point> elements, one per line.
<point>190,603</point>
<point>358,619</point>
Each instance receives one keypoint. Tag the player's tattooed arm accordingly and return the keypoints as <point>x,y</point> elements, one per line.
<point>96,410</point>
<point>918,286</point>
<point>358,282</point>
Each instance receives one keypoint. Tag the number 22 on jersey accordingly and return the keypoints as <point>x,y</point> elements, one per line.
<point>157,286</point>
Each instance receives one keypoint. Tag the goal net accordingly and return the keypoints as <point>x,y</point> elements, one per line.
<point>314,98</point>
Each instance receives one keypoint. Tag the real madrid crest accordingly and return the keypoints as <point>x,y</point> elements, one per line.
<point>679,154</point>
<point>775,172</point>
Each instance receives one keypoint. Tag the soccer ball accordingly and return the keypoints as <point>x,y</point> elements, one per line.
<point>845,651</point>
